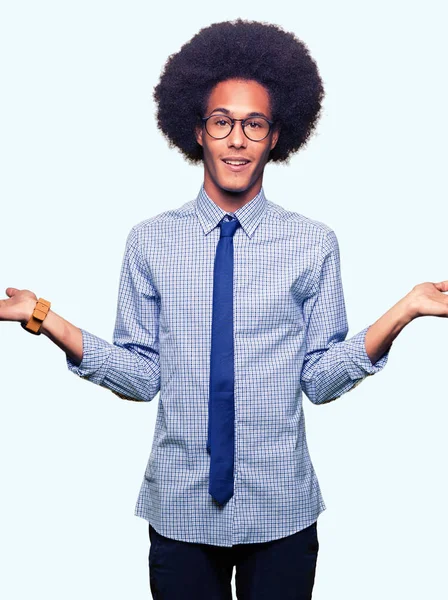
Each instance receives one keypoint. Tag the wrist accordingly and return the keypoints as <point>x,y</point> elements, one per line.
<point>407,309</point>
<point>38,316</point>
<point>28,309</point>
<point>48,323</point>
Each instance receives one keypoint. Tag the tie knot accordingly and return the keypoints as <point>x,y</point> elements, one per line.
<point>228,228</point>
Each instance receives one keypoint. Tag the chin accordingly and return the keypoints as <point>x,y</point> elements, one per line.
<point>235,186</point>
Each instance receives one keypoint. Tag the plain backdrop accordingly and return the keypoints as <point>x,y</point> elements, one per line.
<point>82,161</point>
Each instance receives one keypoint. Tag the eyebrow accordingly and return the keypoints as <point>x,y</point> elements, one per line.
<point>228,112</point>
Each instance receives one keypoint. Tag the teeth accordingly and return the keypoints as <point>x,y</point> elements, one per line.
<point>236,162</point>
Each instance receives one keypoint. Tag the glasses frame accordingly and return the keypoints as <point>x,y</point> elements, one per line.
<point>233,121</point>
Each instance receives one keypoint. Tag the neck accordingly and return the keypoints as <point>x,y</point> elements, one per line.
<point>227,200</point>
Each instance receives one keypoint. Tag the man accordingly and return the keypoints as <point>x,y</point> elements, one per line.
<point>231,306</point>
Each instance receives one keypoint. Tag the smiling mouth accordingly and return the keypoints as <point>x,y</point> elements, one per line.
<point>236,162</point>
<point>236,165</point>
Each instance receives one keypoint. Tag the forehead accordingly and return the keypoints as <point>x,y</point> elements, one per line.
<point>239,97</point>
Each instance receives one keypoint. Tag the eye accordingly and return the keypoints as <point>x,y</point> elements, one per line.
<point>219,121</point>
<point>257,123</point>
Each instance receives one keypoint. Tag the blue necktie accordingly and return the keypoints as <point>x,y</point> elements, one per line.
<point>221,408</point>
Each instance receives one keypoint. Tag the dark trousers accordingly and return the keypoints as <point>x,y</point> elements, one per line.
<point>283,569</point>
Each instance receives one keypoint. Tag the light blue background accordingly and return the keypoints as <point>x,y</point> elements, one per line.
<point>82,161</point>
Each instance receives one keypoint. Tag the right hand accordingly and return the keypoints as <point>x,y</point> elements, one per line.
<point>19,306</point>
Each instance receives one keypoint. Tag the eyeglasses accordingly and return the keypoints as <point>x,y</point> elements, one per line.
<point>220,126</point>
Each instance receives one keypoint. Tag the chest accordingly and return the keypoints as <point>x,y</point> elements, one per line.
<point>272,276</point>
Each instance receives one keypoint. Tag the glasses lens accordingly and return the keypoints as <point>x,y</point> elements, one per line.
<point>256,128</point>
<point>219,126</point>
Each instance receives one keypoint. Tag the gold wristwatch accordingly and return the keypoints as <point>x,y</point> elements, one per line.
<point>40,312</point>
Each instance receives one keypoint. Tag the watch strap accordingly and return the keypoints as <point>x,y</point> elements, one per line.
<point>37,318</point>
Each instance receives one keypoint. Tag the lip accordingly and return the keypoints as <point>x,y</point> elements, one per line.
<point>236,168</point>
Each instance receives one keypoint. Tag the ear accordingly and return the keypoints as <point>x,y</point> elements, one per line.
<point>198,134</point>
<point>275,136</point>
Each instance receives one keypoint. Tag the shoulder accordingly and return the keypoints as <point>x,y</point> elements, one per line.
<point>321,233</point>
<point>158,226</point>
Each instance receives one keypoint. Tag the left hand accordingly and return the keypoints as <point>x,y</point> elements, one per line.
<point>428,299</point>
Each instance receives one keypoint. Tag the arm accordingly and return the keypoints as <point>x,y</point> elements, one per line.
<point>382,333</point>
<point>425,299</point>
<point>333,365</point>
<point>64,334</point>
<point>20,307</point>
<point>130,366</point>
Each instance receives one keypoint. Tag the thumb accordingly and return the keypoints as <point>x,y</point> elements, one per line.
<point>442,286</point>
<point>11,291</point>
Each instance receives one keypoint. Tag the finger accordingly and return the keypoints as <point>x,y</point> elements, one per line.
<point>442,286</point>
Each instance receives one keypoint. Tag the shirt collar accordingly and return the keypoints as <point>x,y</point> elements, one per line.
<point>249,215</point>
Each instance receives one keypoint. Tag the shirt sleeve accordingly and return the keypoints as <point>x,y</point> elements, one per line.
<point>130,366</point>
<point>332,365</point>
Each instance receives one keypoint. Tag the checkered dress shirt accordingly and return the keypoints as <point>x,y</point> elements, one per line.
<point>290,327</point>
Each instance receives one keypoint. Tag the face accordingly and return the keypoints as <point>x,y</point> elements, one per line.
<point>227,185</point>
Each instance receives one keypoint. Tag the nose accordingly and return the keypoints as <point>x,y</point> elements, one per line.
<point>236,137</point>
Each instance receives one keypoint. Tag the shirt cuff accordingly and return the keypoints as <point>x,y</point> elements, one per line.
<point>95,355</point>
<point>360,364</point>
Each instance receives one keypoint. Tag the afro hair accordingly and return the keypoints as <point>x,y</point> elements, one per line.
<point>240,49</point>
